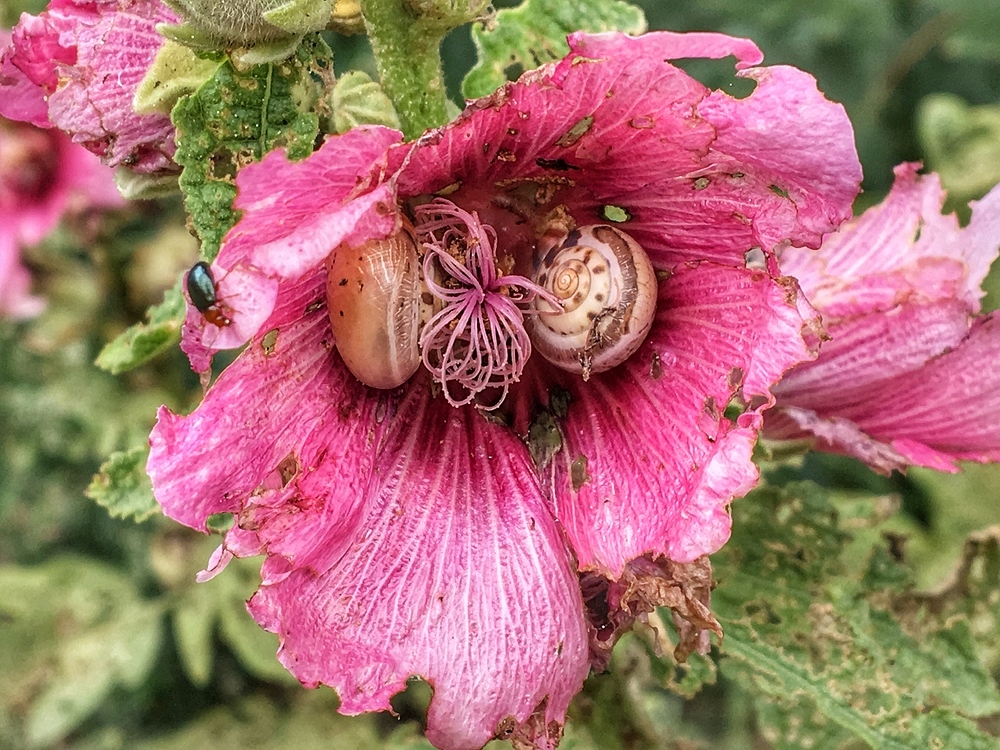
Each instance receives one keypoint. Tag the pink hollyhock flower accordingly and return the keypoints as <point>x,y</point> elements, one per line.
<point>907,377</point>
<point>43,176</point>
<point>495,521</point>
<point>77,66</point>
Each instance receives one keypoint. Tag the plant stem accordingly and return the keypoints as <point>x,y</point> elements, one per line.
<point>408,58</point>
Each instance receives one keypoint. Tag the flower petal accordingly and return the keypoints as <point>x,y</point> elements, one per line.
<point>247,297</point>
<point>932,414</point>
<point>615,124</point>
<point>114,50</point>
<point>904,242</point>
<point>458,574</point>
<point>899,288</point>
<point>88,58</point>
<point>296,213</point>
<point>284,409</point>
<point>649,462</point>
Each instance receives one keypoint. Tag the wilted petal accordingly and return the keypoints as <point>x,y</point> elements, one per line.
<point>899,383</point>
<point>904,241</point>
<point>458,574</point>
<point>940,409</point>
<point>88,58</point>
<point>649,462</point>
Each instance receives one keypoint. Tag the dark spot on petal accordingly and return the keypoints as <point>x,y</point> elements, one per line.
<point>655,367</point>
<point>599,297</point>
<point>269,342</point>
<point>578,473</point>
<point>560,165</point>
<point>343,282</point>
<point>575,133</point>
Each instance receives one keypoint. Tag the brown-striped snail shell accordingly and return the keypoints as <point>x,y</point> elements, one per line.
<point>607,288</point>
<point>373,295</point>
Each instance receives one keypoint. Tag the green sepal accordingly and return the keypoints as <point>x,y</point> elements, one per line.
<point>188,36</point>
<point>261,53</point>
<point>136,186</point>
<point>534,33</point>
<point>176,71</point>
<point>358,100</point>
<point>143,341</point>
<point>122,486</point>
<point>236,118</point>
<point>301,16</point>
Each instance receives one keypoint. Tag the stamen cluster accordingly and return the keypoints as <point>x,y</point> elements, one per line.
<point>477,340</point>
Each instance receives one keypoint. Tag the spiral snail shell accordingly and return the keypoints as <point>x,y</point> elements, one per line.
<point>607,288</point>
<point>373,297</point>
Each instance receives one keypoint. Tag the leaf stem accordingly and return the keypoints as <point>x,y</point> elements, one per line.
<point>408,58</point>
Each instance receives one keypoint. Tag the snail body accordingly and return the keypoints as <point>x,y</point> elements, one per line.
<point>606,286</point>
<point>373,295</point>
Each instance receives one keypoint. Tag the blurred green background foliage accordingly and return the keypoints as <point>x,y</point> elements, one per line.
<point>107,643</point>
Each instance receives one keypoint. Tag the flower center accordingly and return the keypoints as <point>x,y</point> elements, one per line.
<point>29,159</point>
<point>476,340</point>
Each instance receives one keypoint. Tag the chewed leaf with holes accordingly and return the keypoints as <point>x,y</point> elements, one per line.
<point>236,118</point>
<point>827,655</point>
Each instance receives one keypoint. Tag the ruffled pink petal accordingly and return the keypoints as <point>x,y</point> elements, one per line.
<point>88,58</point>
<point>649,462</point>
<point>296,213</point>
<point>20,98</point>
<point>286,416</point>
<point>94,99</point>
<point>936,405</point>
<point>898,289</point>
<point>904,242</point>
<point>458,574</point>
<point>873,349</point>
<point>625,128</point>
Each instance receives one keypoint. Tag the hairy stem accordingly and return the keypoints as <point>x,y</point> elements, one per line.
<point>408,57</point>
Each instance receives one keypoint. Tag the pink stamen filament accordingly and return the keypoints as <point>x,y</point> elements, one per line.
<point>477,341</point>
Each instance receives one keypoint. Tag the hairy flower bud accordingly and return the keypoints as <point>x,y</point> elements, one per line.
<point>249,22</point>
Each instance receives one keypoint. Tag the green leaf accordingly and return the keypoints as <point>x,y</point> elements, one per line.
<point>962,144</point>
<point>143,341</point>
<point>235,119</point>
<point>194,618</point>
<point>253,646</point>
<point>74,631</point>
<point>830,658</point>
<point>535,32</point>
<point>358,100</point>
<point>122,487</point>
